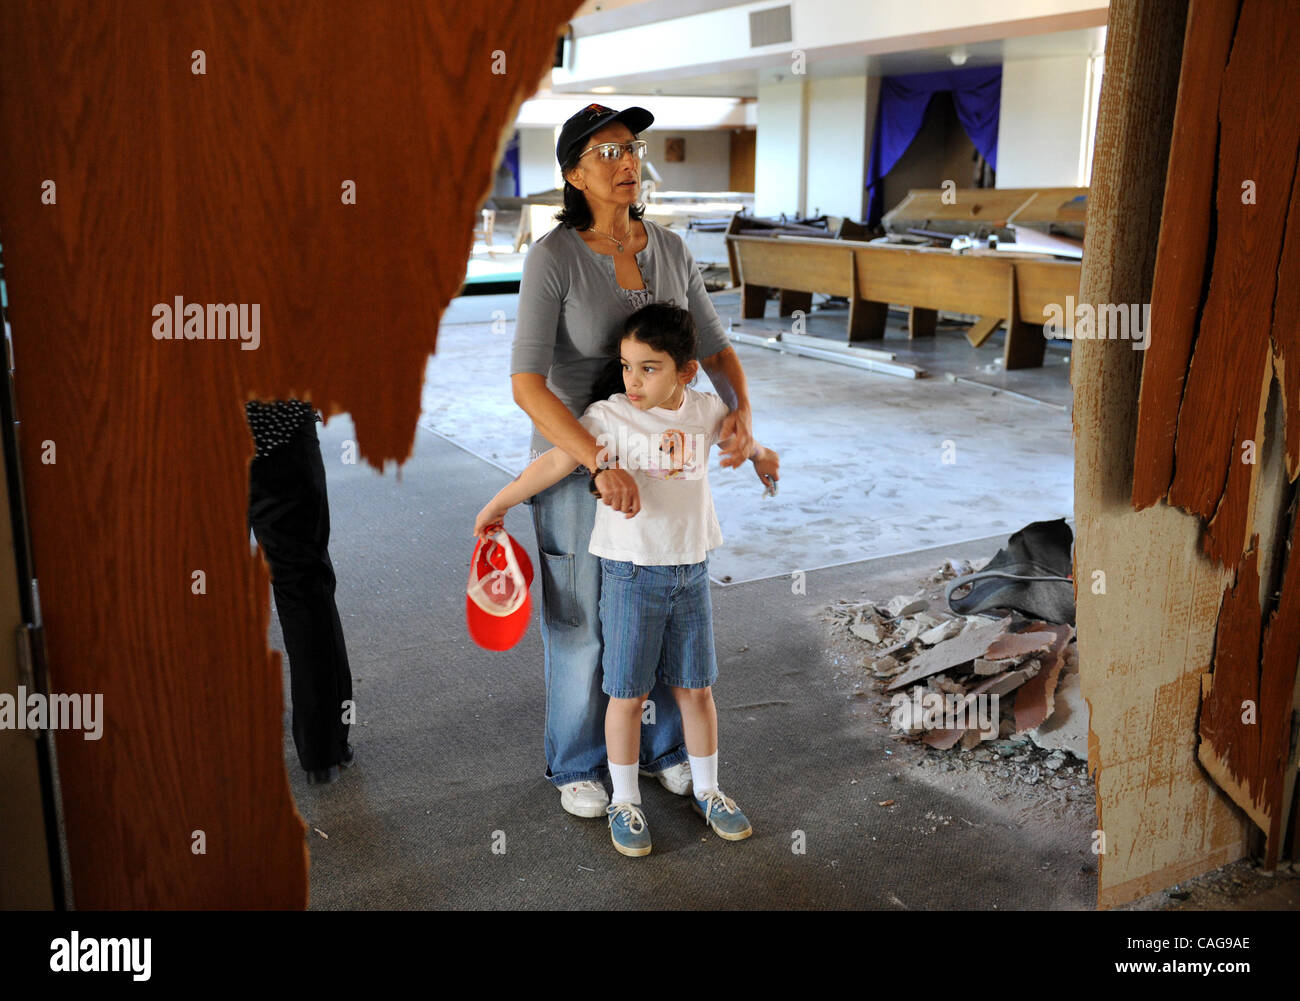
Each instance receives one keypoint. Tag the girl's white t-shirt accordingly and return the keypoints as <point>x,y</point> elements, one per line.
<point>667,452</point>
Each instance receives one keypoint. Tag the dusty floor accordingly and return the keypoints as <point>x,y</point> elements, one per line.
<point>872,465</point>
<point>890,822</point>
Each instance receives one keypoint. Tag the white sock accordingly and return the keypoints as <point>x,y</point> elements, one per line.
<point>704,773</point>
<point>626,786</point>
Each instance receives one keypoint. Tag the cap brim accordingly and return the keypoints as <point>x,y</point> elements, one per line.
<point>635,118</point>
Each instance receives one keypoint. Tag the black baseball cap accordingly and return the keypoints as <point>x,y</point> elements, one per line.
<point>593,118</point>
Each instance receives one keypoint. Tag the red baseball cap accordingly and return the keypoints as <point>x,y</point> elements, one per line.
<point>497,605</point>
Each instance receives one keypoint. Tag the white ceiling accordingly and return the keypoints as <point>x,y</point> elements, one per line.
<point>744,83</point>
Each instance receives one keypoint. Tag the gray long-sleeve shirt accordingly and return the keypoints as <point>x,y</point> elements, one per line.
<point>571,308</point>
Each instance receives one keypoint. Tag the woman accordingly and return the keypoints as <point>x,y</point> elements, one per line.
<point>580,283</point>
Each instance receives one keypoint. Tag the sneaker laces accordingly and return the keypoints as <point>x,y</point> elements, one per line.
<point>587,786</point>
<point>715,797</point>
<point>635,818</point>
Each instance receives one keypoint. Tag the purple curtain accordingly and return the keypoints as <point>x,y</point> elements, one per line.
<point>512,158</point>
<point>977,96</point>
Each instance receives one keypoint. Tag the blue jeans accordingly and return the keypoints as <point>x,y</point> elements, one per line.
<point>563,517</point>
<point>658,626</point>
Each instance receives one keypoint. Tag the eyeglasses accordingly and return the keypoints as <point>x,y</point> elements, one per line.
<point>611,152</point>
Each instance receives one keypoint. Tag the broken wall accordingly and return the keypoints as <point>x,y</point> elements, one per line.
<point>1148,598</point>
<point>1219,419</point>
<point>204,150</point>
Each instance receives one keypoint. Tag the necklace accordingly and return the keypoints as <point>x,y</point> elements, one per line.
<point>614,238</point>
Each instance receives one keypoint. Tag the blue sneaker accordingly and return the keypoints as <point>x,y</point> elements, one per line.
<point>628,830</point>
<point>722,814</point>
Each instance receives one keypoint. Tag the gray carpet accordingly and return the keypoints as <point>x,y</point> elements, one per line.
<point>449,746</point>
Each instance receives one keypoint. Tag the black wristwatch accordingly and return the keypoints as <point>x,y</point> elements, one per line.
<point>591,487</point>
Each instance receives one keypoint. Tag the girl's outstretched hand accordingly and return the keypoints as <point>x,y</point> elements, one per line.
<point>767,466</point>
<point>488,517</point>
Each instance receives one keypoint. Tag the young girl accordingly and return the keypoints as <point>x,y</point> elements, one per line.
<point>655,612</point>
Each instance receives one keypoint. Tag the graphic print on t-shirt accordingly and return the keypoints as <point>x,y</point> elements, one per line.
<point>677,523</point>
<point>674,456</point>
<point>670,454</point>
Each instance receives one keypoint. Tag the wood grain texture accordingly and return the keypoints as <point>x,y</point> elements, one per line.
<point>1225,306</point>
<point>1230,367</point>
<point>1249,753</point>
<point>1221,406</point>
<point>1145,640</point>
<point>1184,245</point>
<point>222,187</point>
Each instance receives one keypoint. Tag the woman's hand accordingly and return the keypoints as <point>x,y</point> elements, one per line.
<point>618,489</point>
<point>488,517</point>
<point>767,464</point>
<point>736,438</point>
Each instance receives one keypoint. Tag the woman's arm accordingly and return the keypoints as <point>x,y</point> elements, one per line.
<point>553,419</point>
<point>736,440</point>
<point>544,471</point>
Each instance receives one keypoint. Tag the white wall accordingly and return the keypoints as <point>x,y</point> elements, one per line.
<point>538,170</point>
<point>837,145</point>
<point>781,144</point>
<point>707,166</point>
<point>1043,123</point>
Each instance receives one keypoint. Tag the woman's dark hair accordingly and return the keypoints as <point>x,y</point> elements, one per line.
<point>609,382</point>
<point>576,212</point>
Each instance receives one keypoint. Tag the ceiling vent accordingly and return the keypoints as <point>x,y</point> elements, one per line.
<point>769,27</point>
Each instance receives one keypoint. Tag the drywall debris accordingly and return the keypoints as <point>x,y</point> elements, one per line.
<point>1035,701</point>
<point>903,605</point>
<point>1014,645</point>
<point>1033,671</point>
<point>868,631</point>
<point>1066,730</point>
<point>985,667</point>
<point>943,631</point>
<point>961,649</point>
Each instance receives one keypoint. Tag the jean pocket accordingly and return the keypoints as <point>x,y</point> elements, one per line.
<point>618,569</point>
<point>559,589</point>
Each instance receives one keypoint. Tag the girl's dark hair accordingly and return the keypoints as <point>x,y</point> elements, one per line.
<point>576,212</point>
<point>661,325</point>
<point>665,327</point>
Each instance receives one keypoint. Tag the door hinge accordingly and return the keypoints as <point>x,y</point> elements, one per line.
<point>29,638</point>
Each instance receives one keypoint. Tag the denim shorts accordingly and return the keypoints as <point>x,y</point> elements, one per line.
<point>657,622</point>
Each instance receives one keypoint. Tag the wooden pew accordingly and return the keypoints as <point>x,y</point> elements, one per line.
<point>1012,292</point>
<point>967,210</point>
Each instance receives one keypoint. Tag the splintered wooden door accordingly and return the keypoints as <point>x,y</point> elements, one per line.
<point>165,155</point>
<point>1226,302</point>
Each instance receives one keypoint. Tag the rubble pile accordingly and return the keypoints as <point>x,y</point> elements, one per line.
<point>967,680</point>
